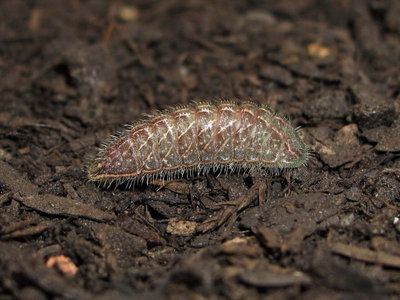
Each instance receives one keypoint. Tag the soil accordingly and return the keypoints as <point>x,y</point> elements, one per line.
<point>74,71</point>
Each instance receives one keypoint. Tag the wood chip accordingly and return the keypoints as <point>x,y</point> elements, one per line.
<point>61,206</point>
<point>268,278</point>
<point>15,181</point>
<point>29,231</point>
<point>174,186</point>
<point>241,246</point>
<point>363,254</point>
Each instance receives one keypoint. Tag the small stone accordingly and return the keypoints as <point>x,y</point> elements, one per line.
<point>63,264</point>
<point>181,227</point>
<point>318,50</point>
<point>128,13</point>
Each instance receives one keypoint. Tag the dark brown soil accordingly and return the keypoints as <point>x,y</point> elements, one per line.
<point>74,71</point>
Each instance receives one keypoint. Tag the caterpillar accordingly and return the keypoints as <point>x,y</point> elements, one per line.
<point>203,136</point>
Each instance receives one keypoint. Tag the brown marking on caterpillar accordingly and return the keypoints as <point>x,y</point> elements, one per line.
<point>226,135</point>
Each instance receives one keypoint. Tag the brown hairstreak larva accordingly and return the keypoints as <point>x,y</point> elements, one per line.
<point>224,135</point>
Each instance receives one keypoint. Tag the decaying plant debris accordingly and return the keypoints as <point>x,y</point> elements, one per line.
<point>72,72</point>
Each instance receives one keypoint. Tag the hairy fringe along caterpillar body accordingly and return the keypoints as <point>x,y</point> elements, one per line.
<point>197,138</point>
